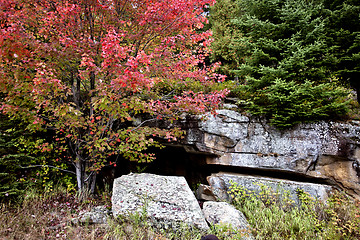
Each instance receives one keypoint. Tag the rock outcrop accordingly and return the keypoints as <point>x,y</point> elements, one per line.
<point>166,201</point>
<point>323,152</point>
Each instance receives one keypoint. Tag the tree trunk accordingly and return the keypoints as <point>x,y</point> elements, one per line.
<point>80,173</point>
<point>85,183</point>
<point>92,183</point>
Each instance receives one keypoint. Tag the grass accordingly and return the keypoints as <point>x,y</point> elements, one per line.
<point>49,216</point>
<point>46,216</point>
<point>273,215</point>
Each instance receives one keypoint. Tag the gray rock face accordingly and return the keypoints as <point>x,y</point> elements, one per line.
<point>167,201</point>
<point>221,183</point>
<point>224,214</point>
<point>324,150</point>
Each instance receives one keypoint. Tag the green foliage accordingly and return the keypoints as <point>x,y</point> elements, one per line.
<point>273,215</point>
<point>13,146</point>
<point>228,46</point>
<point>280,39</point>
<point>225,231</point>
<point>285,54</point>
<point>171,88</point>
<point>24,160</point>
<point>343,36</point>
<point>288,103</point>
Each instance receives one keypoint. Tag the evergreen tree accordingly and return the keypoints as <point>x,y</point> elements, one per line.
<point>282,47</point>
<point>344,39</point>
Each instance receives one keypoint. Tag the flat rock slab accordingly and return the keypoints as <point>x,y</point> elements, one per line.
<point>167,201</point>
<point>221,182</point>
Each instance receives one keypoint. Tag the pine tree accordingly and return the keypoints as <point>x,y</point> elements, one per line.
<point>284,49</point>
<point>343,32</point>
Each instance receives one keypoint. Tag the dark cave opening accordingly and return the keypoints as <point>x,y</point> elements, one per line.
<point>176,161</point>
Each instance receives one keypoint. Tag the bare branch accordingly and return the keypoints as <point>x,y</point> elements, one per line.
<point>142,123</point>
<point>163,30</point>
<point>60,169</point>
<point>88,176</point>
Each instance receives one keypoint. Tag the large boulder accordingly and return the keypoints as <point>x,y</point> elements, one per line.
<point>225,215</point>
<point>167,201</point>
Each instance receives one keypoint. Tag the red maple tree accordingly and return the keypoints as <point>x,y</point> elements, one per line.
<point>95,71</point>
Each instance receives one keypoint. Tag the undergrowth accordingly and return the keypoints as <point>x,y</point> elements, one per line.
<point>50,214</point>
<point>46,215</point>
<point>272,214</point>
